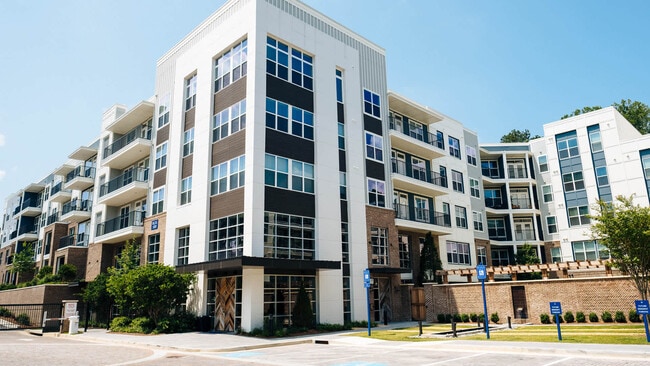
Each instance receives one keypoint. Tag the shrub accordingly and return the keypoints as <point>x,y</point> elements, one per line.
<point>580,317</point>
<point>44,271</point>
<point>23,319</point>
<point>441,318</point>
<point>619,316</point>
<point>606,316</point>
<point>448,318</point>
<point>568,317</point>
<point>140,325</point>
<point>5,312</point>
<point>593,317</point>
<point>473,317</point>
<point>481,317</point>
<point>494,318</point>
<point>67,272</point>
<point>120,324</point>
<point>333,327</point>
<point>633,316</point>
<point>544,318</point>
<point>456,318</point>
<point>48,278</point>
<point>363,324</point>
<point>464,318</point>
<point>559,318</point>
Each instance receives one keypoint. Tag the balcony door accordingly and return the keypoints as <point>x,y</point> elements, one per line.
<point>421,209</point>
<point>524,229</point>
<point>402,205</point>
<point>398,123</point>
<point>418,166</point>
<point>124,217</point>
<point>399,162</point>
<point>516,169</point>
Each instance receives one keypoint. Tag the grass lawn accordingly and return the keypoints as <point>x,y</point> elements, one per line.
<point>571,333</point>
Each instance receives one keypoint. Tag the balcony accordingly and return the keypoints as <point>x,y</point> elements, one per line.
<point>134,146</point>
<point>517,173</point>
<point>521,203</point>
<point>524,234</point>
<point>27,233</point>
<point>422,220</point>
<point>31,207</point>
<point>75,240</point>
<point>498,234</point>
<point>60,195</point>
<point>80,178</point>
<point>495,203</point>
<point>51,219</point>
<point>418,180</point>
<point>76,211</point>
<point>128,187</point>
<point>424,144</point>
<point>121,228</point>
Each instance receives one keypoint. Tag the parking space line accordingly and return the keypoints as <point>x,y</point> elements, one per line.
<point>456,359</point>
<point>558,361</point>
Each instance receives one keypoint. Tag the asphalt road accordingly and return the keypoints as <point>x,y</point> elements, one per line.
<point>21,348</point>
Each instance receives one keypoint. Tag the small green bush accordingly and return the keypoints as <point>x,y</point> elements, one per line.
<point>326,327</point>
<point>619,316</point>
<point>7,286</point>
<point>481,317</point>
<point>140,325</point>
<point>606,316</point>
<point>465,318</point>
<point>120,324</point>
<point>23,319</point>
<point>5,312</point>
<point>67,272</point>
<point>456,318</point>
<point>44,271</point>
<point>441,318</point>
<point>448,318</point>
<point>544,318</point>
<point>593,317</point>
<point>568,317</point>
<point>494,317</point>
<point>559,318</point>
<point>580,317</point>
<point>48,278</point>
<point>363,324</point>
<point>633,316</point>
<point>473,317</point>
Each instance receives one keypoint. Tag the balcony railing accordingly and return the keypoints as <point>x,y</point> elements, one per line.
<point>134,218</point>
<point>76,240</point>
<point>140,132</point>
<point>497,203</point>
<point>56,189</point>
<point>76,205</point>
<point>30,202</point>
<point>80,171</point>
<point>419,173</point>
<point>520,203</point>
<point>497,234</point>
<point>526,234</point>
<point>517,173</point>
<point>128,177</point>
<point>51,219</point>
<point>427,138</point>
<point>422,215</point>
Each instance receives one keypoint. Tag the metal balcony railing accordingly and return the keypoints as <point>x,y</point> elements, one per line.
<point>428,138</point>
<point>497,234</point>
<point>51,219</point>
<point>419,173</point>
<point>80,171</point>
<point>140,132</point>
<point>526,234</point>
<point>56,189</point>
<point>517,173</point>
<point>422,215</point>
<point>497,203</point>
<point>76,240</point>
<point>128,177</point>
<point>520,203</point>
<point>76,205</point>
<point>30,202</point>
<point>134,218</point>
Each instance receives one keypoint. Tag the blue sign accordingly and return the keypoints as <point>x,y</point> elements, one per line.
<point>154,224</point>
<point>366,278</point>
<point>556,308</point>
<point>481,273</point>
<point>642,307</point>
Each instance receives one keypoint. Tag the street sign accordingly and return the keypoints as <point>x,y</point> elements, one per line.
<point>366,278</point>
<point>556,308</point>
<point>642,307</point>
<point>481,273</point>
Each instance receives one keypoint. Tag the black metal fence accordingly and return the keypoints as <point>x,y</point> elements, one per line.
<point>28,316</point>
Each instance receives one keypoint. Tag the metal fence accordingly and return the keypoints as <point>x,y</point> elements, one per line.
<point>28,316</point>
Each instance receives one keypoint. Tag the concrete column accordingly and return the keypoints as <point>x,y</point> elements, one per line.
<point>196,301</point>
<point>252,312</point>
<point>330,296</point>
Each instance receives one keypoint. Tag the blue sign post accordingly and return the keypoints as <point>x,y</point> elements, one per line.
<point>366,284</point>
<point>556,309</point>
<point>643,309</point>
<point>481,274</point>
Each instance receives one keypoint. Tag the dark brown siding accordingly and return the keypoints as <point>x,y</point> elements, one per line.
<point>290,202</point>
<point>375,170</point>
<point>284,91</point>
<point>227,204</point>
<point>289,146</point>
<point>160,178</point>
<point>189,118</point>
<point>187,166</point>
<point>162,135</point>
<point>372,124</point>
<point>229,148</point>
<point>235,92</point>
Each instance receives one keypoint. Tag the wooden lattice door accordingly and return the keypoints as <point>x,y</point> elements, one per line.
<point>224,311</point>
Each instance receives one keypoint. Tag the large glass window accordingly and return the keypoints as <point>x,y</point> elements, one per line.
<point>496,228</point>
<point>379,244</point>
<point>183,247</point>
<point>461,216</point>
<point>280,293</point>
<point>404,251</point>
<point>289,64</point>
<point>374,147</point>
<point>471,155</point>
<point>289,236</point>
<point>568,148</point>
<point>161,156</point>
<point>289,119</point>
<point>226,237</point>
<point>371,103</point>
<point>416,130</point>
<point>231,66</point>
<point>490,168</point>
<point>228,175</point>
<point>589,250</point>
<point>454,147</point>
<point>542,161</point>
<point>551,224</point>
<point>277,173</point>
<point>579,215</point>
<point>190,93</point>
<point>458,253</point>
<point>601,176</point>
<point>188,142</point>
<point>186,190</point>
<point>229,121</point>
<point>595,140</point>
<point>573,181</point>
<point>477,217</point>
<point>474,188</point>
<point>376,193</point>
<point>158,201</point>
<point>556,254</point>
<point>153,250</point>
<point>547,193</point>
<point>457,181</point>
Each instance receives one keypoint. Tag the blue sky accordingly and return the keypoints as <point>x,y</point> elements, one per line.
<point>492,65</point>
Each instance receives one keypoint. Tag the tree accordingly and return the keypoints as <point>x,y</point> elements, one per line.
<point>624,228</point>
<point>67,272</point>
<point>518,136</point>
<point>23,260</point>
<point>116,284</point>
<point>578,112</point>
<point>97,297</point>
<point>302,315</point>
<point>637,113</point>
<point>429,262</point>
<point>526,254</point>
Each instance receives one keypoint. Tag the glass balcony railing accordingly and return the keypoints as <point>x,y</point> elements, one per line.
<point>495,202</point>
<point>517,173</point>
<point>142,132</point>
<point>422,215</point>
<point>30,202</point>
<point>419,173</point>
<point>524,234</point>
<point>51,219</point>
<point>520,203</point>
<point>419,135</point>
<point>80,171</point>
<point>128,177</point>
<point>75,240</point>
<point>76,205</point>
<point>134,218</point>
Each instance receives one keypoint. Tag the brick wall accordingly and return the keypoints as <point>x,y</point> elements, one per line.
<point>576,294</point>
<point>42,294</point>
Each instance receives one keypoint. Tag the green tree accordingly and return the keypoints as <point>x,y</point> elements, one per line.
<point>429,262</point>
<point>637,113</point>
<point>302,315</point>
<point>23,261</point>
<point>526,254</point>
<point>97,297</point>
<point>624,228</point>
<point>518,136</point>
<point>67,272</point>
<point>578,112</point>
<point>127,261</point>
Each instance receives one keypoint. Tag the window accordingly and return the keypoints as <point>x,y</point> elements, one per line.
<point>226,237</point>
<point>454,147</point>
<point>289,119</point>
<point>341,133</point>
<point>153,252</point>
<point>556,254</point>
<point>229,121</point>
<point>481,255</point>
<point>190,93</point>
<point>163,110</point>
<point>589,250</point>
<point>231,66</point>
<point>573,181</point>
<point>278,65</point>
<point>500,257</point>
<point>457,181</point>
<point>543,163</point>
<point>474,188</point>
<point>595,141</point>
<point>277,173</point>
<point>568,148</point>
<point>440,140</point>
<point>376,193</point>
<point>379,244</point>
<point>404,251</point>
<point>416,130</point>
<point>280,293</point>
<point>547,193</point>
<point>496,228</point>
<point>183,252</point>
<point>186,190</point>
<point>478,220</point>
<point>188,142</point>
<point>289,236</point>
<point>516,169</point>
<point>343,186</point>
<point>578,215</point>
<point>345,243</point>
<point>471,155</point>
<point>339,86</point>
<point>490,168</point>
<point>158,201</point>
<point>371,103</point>
<point>228,175</point>
<point>421,209</point>
<point>161,156</point>
<point>551,224</point>
<point>461,216</point>
<point>458,253</point>
<point>601,176</point>
<point>374,147</point>
<point>443,175</point>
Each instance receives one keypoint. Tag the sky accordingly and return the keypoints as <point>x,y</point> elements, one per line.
<point>493,65</point>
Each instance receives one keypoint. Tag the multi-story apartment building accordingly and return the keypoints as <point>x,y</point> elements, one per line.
<point>272,156</point>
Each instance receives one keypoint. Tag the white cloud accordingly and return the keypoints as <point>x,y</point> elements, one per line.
<point>2,175</point>
<point>2,140</point>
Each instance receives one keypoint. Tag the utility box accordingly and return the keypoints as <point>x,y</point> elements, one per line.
<point>74,324</point>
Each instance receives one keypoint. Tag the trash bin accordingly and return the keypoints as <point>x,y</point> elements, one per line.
<point>74,324</point>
